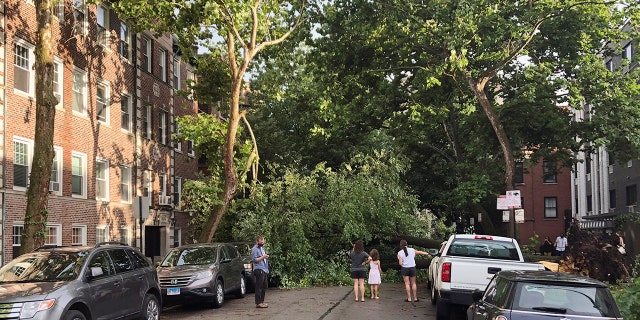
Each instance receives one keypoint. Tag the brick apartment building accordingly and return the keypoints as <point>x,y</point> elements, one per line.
<point>113,130</point>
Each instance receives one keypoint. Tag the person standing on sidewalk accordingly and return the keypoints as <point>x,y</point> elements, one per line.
<point>375,273</point>
<point>260,260</point>
<point>359,258</point>
<point>561,245</point>
<point>407,259</point>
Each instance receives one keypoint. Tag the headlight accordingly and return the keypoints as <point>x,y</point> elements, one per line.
<point>203,275</point>
<point>29,309</point>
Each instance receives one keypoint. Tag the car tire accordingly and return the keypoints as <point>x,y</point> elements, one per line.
<point>442,310</point>
<point>242,290</point>
<point>150,308</point>
<point>218,297</point>
<point>74,315</point>
<point>434,295</point>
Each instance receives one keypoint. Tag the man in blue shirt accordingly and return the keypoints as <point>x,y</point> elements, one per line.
<point>260,260</point>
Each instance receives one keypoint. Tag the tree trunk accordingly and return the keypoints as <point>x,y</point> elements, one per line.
<point>35,220</point>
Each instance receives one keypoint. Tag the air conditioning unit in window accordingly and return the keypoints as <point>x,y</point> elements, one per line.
<point>631,209</point>
<point>54,186</point>
<point>165,200</point>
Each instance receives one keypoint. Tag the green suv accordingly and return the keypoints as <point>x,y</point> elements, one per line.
<point>108,281</point>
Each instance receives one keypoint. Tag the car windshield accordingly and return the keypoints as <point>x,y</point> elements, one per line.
<point>568,299</point>
<point>244,249</point>
<point>43,266</point>
<point>190,256</point>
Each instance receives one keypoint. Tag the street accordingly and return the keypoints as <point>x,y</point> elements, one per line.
<point>318,303</point>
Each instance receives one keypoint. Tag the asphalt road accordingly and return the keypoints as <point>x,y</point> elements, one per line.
<point>318,303</point>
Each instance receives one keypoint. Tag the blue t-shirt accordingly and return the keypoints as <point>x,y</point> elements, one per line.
<point>257,252</point>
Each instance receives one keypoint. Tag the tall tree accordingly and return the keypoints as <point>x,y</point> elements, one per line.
<point>35,219</point>
<point>238,31</point>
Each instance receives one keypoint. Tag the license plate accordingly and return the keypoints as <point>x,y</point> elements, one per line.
<point>173,291</point>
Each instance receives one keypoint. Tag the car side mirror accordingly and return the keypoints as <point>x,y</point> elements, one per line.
<point>94,272</point>
<point>433,252</point>
<point>476,295</point>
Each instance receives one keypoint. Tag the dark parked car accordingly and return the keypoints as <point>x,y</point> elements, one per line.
<point>525,295</point>
<point>245,251</point>
<point>201,272</point>
<point>108,281</point>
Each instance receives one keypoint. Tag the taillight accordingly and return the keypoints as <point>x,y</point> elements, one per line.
<point>445,276</point>
<point>485,238</point>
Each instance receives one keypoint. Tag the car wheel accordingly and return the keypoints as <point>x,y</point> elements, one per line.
<point>218,298</point>
<point>434,295</point>
<point>74,315</point>
<point>150,308</point>
<point>243,288</point>
<point>442,311</point>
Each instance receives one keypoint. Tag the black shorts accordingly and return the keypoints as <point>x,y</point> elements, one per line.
<point>408,272</point>
<point>358,274</point>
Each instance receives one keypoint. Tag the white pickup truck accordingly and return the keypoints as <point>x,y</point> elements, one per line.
<point>467,262</point>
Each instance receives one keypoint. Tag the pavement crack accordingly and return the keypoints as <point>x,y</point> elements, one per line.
<point>335,305</point>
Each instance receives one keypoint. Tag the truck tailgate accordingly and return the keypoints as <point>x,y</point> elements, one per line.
<point>475,273</point>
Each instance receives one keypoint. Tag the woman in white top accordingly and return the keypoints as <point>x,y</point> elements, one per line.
<point>406,259</point>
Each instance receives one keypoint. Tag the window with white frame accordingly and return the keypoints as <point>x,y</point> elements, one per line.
<point>79,103</point>
<point>176,74</point>
<point>177,144</point>
<point>18,228</point>
<point>177,190</point>
<point>78,235</point>
<point>55,183</point>
<point>58,80</point>
<point>191,80</point>
<point>102,23</point>
<point>609,65</point>
<point>22,152</point>
<point>126,112</point>
<point>146,49</point>
<point>23,58</point>
<point>162,63</point>
<point>125,235</point>
<point>163,126</point>
<point>102,233</point>
<point>102,179</point>
<point>162,180</point>
<point>102,102</point>
<point>78,175</point>
<point>147,119</point>
<point>79,17</point>
<point>125,184</point>
<point>550,207</point>
<point>58,11</point>
<point>190,149</point>
<point>147,183</point>
<point>627,52</point>
<point>125,41</point>
<point>53,235</point>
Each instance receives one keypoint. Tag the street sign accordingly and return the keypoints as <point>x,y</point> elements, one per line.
<point>505,216</point>
<point>502,202</point>
<point>519,215</point>
<point>513,199</point>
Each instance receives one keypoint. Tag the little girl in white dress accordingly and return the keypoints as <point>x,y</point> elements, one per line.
<point>374,273</point>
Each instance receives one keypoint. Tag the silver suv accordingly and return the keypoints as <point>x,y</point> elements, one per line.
<point>201,272</point>
<point>108,281</point>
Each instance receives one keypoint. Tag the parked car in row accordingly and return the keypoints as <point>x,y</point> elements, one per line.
<point>524,295</point>
<point>108,281</point>
<point>245,252</point>
<point>201,273</point>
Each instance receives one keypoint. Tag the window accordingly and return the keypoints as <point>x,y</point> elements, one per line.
<point>79,104</point>
<point>58,80</point>
<point>176,74</point>
<point>191,81</point>
<point>177,191</point>
<point>609,65</point>
<point>79,235</point>
<point>589,205</point>
<point>549,172</point>
<point>162,63</point>
<point>102,179</point>
<point>147,184</point>
<point>163,127</point>
<point>612,199</point>
<point>632,195</point>
<point>125,41</point>
<point>587,164</point>
<point>78,175</point>
<point>190,150</point>
<point>125,184</point>
<point>627,52</point>
<point>120,260</point>
<point>53,235</point>
<point>55,184</point>
<point>124,235</point>
<point>177,144</point>
<point>17,239</point>
<point>102,233</point>
<point>102,102</point>
<point>58,11</point>
<point>550,207</point>
<point>519,174</point>
<point>126,112</point>
<point>147,125</point>
<point>162,179</point>
<point>21,162</point>
<point>102,23</point>
<point>23,58</point>
<point>146,54</point>
<point>79,17</point>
